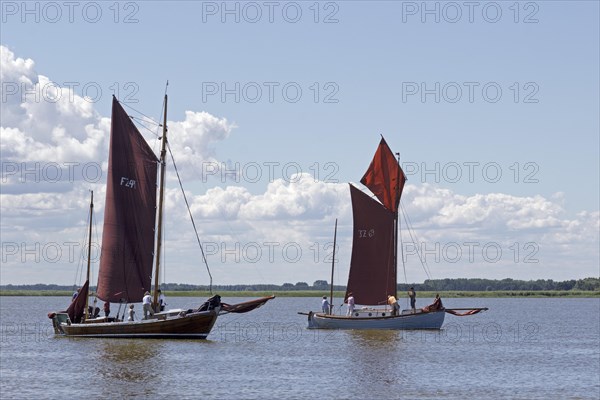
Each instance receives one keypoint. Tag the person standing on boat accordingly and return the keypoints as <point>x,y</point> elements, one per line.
<point>161,301</point>
<point>437,303</point>
<point>131,313</point>
<point>96,310</point>
<point>147,303</point>
<point>394,303</point>
<point>106,308</point>
<point>325,305</point>
<point>413,298</point>
<point>350,302</point>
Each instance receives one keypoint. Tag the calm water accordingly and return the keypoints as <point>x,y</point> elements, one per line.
<point>520,349</point>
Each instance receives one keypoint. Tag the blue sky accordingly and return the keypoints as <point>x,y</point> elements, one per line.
<point>517,95</point>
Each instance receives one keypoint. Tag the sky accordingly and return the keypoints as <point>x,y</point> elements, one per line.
<point>274,107</point>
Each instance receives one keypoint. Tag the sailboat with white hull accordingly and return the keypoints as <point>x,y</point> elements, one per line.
<point>373,266</point>
<point>129,244</point>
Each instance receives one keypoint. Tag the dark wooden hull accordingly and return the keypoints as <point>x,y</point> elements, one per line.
<point>190,326</point>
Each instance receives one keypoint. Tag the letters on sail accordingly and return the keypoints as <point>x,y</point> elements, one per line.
<point>128,183</point>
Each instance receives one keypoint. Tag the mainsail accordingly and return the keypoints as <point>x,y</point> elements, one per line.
<point>384,177</point>
<point>128,238</point>
<point>373,264</point>
<point>372,271</point>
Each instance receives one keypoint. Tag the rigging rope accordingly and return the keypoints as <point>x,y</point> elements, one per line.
<point>92,273</point>
<point>191,217</point>
<point>402,250</point>
<point>140,122</point>
<point>414,240</point>
<point>81,262</point>
<point>164,250</point>
<point>148,119</point>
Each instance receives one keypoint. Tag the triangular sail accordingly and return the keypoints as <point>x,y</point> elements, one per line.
<point>77,307</point>
<point>384,177</point>
<point>372,272</point>
<point>128,238</point>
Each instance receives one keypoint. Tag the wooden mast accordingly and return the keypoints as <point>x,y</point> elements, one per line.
<point>89,258</point>
<point>332,267</point>
<point>161,194</point>
<point>396,227</point>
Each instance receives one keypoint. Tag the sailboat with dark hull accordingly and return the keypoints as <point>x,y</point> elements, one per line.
<point>373,266</point>
<point>129,245</point>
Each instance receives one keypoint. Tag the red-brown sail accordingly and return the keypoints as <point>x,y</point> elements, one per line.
<point>245,306</point>
<point>372,271</point>
<point>77,307</point>
<point>128,238</point>
<point>384,177</point>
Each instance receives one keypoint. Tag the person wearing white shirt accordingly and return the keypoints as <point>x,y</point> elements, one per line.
<point>131,313</point>
<point>325,305</point>
<point>350,302</point>
<point>147,303</point>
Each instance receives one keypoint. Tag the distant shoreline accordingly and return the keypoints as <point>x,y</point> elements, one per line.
<point>339,294</point>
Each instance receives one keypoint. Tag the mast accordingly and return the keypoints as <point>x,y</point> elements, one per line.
<point>161,193</point>
<point>396,230</point>
<point>332,267</point>
<point>89,258</point>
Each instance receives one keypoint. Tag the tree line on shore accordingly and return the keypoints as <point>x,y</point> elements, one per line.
<point>430,285</point>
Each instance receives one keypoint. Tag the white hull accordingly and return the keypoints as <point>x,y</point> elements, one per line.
<point>419,320</point>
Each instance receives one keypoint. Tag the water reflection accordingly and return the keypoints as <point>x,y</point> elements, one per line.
<point>130,366</point>
<point>375,339</point>
<point>374,358</point>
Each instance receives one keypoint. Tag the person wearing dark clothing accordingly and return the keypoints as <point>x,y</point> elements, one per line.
<point>413,298</point>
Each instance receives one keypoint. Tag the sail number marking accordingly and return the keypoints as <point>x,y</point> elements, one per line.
<point>363,233</point>
<point>128,183</point>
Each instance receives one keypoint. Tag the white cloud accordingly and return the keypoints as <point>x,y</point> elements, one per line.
<point>54,149</point>
<point>301,197</point>
<point>44,122</point>
<point>443,208</point>
<point>192,141</point>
